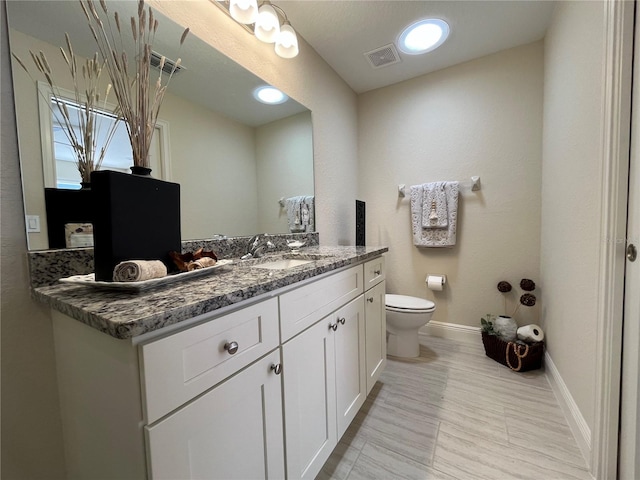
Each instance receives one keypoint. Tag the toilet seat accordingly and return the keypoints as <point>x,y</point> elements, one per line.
<point>407,304</point>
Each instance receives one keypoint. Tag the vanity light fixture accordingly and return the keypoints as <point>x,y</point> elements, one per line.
<point>266,21</point>
<point>423,36</point>
<point>269,95</point>
<point>244,11</point>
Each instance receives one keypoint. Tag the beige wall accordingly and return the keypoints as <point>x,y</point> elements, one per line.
<point>214,161</point>
<point>31,429</point>
<point>282,152</point>
<point>571,222</point>
<point>482,117</point>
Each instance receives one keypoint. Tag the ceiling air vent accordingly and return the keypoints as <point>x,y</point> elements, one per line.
<point>383,56</point>
<point>168,64</point>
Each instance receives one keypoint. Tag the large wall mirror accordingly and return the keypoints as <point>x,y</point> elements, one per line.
<point>234,158</point>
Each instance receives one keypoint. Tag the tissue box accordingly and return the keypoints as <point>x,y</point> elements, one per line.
<point>520,359</point>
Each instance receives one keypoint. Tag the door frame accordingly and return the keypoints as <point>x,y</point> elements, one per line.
<point>617,74</point>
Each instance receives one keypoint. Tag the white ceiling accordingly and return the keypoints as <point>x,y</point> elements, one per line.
<point>342,31</point>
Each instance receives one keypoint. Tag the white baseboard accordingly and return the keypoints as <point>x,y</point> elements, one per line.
<point>577,423</point>
<point>462,333</point>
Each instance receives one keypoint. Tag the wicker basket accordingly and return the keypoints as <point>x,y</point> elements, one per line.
<point>519,358</point>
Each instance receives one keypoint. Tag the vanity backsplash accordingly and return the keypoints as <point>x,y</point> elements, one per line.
<point>46,267</point>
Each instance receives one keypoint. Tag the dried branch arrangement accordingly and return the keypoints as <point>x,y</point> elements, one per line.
<point>527,299</point>
<point>139,102</point>
<point>84,124</point>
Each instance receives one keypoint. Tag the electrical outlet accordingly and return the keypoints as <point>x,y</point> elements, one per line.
<point>33,223</point>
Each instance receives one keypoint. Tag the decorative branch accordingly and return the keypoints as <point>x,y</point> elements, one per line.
<point>139,102</point>
<point>83,127</point>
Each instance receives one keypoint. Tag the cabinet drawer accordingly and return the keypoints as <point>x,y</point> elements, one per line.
<point>374,272</point>
<point>181,366</point>
<point>302,307</point>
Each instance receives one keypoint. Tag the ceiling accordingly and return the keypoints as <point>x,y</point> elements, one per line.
<point>342,31</point>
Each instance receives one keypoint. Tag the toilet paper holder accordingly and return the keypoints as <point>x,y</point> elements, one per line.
<point>435,281</point>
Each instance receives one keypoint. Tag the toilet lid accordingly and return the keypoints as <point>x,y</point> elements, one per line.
<point>407,303</point>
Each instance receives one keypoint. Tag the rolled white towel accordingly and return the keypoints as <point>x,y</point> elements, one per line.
<point>139,270</point>
<point>203,262</point>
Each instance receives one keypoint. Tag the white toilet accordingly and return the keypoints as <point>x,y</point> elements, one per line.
<point>405,316</point>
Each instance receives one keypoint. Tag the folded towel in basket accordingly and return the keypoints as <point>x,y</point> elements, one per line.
<point>139,270</point>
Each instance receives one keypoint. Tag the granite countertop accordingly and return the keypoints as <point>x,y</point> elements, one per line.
<point>129,314</point>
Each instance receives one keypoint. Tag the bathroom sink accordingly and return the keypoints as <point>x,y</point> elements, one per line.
<point>282,264</point>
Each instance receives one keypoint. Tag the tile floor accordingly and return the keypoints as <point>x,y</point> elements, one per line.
<point>454,413</point>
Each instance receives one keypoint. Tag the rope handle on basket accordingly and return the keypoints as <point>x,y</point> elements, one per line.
<point>516,351</point>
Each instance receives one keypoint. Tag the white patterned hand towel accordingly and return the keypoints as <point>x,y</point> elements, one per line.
<point>308,213</point>
<point>434,205</point>
<point>292,205</point>
<point>139,270</point>
<point>434,237</point>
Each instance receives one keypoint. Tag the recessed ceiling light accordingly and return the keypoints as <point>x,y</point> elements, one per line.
<point>269,95</point>
<point>423,36</point>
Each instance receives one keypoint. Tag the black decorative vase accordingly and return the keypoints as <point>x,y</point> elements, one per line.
<point>63,207</point>
<point>142,171</point>
<point>135,218</point>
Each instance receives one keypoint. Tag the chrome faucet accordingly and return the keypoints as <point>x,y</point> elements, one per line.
<point>257,246</point>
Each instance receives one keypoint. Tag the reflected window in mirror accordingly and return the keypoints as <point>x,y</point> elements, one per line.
<point>58,159</point>
<point>66,171</point>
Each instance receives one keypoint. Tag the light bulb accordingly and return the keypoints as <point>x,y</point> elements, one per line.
<point>423,36</point>
<point>244,11</point>
<point>269,95</point>
<point>267,25</point>
<point>287,42</point>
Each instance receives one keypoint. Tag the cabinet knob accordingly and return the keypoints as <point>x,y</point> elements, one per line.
<point>377,272</point>
<point>231,347</point>
<point>277,368</point>
<point>333,326</point>
<point>370,299</point>
<point>341,321</point>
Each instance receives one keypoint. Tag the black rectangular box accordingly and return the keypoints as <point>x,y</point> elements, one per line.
<point>66,206</point>
<point>135,218</point>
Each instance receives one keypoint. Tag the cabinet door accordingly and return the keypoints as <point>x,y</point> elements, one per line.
<point>309,398</point>
<point>232,432</point>
<point>350,362</point>
<point>375,333</point>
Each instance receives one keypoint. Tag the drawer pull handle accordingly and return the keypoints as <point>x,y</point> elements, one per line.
<point>370,299</point>
<point>231,347</point>
<point>341,320</point>
<point>277,368</point>
<point>377,272</point>
<point>333,326</point>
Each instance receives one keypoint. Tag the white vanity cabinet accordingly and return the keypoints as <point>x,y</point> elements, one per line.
<point>214,434</point>
<point>376,320</point>
<point>264,389</point>
<point>233,431</point>
<point>324,376</point>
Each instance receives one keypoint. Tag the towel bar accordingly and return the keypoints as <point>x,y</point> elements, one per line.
<point>474,184</point>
